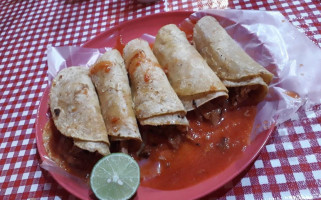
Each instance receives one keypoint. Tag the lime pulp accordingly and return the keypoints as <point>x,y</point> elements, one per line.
<point>115,176</point>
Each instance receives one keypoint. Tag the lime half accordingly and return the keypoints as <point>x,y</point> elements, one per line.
<point>115,176</point>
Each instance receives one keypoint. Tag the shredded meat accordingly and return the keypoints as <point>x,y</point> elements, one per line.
<point>155,137</point>
<point>241,95</point>
<point>211,111</point>
<point>238,95</point>
<point>214,115</point>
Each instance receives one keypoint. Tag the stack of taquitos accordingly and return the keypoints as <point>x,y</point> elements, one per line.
<point>246,80</point>
<point>190,76</point>
<point>156,103</point>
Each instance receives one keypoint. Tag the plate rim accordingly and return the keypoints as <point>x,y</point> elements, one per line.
<point>136,20</point>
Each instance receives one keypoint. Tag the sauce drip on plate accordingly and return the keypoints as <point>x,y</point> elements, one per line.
<point>172,159</point>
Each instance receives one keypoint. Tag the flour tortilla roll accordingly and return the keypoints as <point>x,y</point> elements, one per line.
<point>190,76</point>
<point>109,76</point>
<point>156,103</point>
<point>75,110</point>
<point>245,78</point>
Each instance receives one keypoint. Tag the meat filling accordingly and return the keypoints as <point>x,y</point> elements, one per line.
<point>212,111</point>
<point>239,96</point>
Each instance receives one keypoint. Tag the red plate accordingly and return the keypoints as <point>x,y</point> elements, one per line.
<point>130,30</point>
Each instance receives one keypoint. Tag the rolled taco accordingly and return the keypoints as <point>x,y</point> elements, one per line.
<point>109,76</point>
<point>190,76</point>
<point>245,79</point>
<point>75,109</point>
<point>156,103</point>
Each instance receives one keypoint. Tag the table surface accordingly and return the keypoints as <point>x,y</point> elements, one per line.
<point>289,166</point>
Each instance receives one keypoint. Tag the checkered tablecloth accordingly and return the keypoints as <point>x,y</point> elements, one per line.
<point>288,167</point>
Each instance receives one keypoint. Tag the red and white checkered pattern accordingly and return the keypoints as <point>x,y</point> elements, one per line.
<point>288,167</point>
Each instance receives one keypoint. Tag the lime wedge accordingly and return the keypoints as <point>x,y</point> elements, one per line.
<point>115,176</point>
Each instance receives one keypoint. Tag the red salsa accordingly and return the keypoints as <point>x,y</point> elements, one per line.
<point>173,159</point>
<point>102,65</point>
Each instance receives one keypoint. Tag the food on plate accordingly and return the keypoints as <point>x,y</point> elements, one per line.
<point>172,85</point>
<point>156,103</point>
<point>190,76</point>
<point>75,110</point>
<point>246,80</point>
<point>109,76</point>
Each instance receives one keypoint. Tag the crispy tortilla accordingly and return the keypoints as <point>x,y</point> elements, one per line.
<point>109,76</point>
<point>75,110</point>
<point>156,103</point>
<point>237,70</point>
<point>190,76</point>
